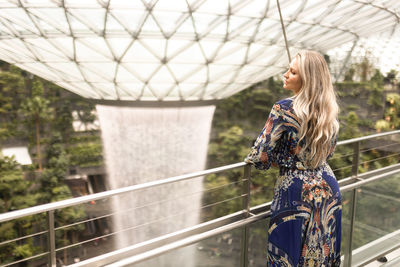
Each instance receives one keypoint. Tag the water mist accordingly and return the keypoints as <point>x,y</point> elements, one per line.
<point>148,144</point>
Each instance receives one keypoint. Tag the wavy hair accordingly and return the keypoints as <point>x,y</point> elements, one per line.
<point>316,107</point>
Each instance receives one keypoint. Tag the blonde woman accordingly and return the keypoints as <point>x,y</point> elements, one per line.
<point>298,137</point>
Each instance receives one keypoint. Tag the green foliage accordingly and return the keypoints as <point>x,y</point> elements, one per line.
<point>352,107</point>
<point>14,195</point>
<point>23,251</point>
<point>348,76</point>
<point>228,146</point>
<point>382,125</point>
<point>12,184</point>
<point>350,88</point>
<point>248,106</point>
<point>376,90</point>
<point>11,95</point>
<point>365,68</point>
<point>86,154</point>
<point>44,109</point>
<point>53,188</point>
<point>54,173</point>
<point>36,107</point>
<point>349,128</point>
<point>392,112</point>
<point>391,77</point>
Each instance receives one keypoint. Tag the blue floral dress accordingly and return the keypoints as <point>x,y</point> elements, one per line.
<point>305,224</point>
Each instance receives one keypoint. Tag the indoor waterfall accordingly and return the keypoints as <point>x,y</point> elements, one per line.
<point>147,144</point>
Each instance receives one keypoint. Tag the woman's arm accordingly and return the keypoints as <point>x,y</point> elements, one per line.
<point>262,154</point>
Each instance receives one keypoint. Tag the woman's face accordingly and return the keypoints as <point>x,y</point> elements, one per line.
<point>292,78</point>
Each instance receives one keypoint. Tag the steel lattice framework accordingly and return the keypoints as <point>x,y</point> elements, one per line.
<point>176,50</point>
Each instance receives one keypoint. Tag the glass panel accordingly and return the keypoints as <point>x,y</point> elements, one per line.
<point>258,243</point>
<point>143,70</point>
<point>46,51</point>
<point>188,89</point>
<point>346,207</point>
<point>19,20</point>
<point>126,4</point>
<point>174,5</point>
<point>248,71</point>
<point>77,26</point>
<point>138,53</point>
<point>236,56</point>
<point>220,73</point>
<point>221,250</point>
<point>85,88</point>
<point>203,21</point>
<point>185,23</point>
<point>114,28</point>
<point>181,71</point>
<point>156,46</point>
<point>131,19</point>
<point>159,89</point>
<point>209,22</point>
<point>169,21</point>
<point>151,26</point>
<point>86,52</point>
<point>199,76</point>
<point>218,7</point>
<point>379,200</point>
<point>125,76</point>
<point>190,55</point>
<point>252,9</point>
<point>235,22</point>
<point>131,88</point>
<point>118,45</point>
<point>79,3</point>
<point>219,28</point>
<point>67,70</point>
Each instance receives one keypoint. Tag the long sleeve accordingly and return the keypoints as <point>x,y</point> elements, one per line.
<point>262,153</point>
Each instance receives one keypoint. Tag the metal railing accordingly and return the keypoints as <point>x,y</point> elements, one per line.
<point>242,218</point>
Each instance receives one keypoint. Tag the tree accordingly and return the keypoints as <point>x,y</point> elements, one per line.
<point>12,93</point>
<point>365,68</point>
<point>15,195</point>
<point>375,87</point>
<point>392,114</point>
<point>37,110</point>
<point>348,76</point>
<point>53,188</point>
<point>391,77</point>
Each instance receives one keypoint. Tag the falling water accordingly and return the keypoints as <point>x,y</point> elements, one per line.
<point>148,144</point>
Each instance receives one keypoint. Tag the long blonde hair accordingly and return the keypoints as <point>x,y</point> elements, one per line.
<point>316,107</point>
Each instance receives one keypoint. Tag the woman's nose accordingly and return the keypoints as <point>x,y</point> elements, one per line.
<point>285,75</point>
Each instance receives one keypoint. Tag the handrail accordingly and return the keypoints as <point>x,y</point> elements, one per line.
<point>367,137</point>
<point>84,199</point>
<point>159,246</point>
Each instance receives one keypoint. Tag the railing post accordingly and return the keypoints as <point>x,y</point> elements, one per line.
<point>356,160</point>
<point>51,238</point>
<point>244,259</point>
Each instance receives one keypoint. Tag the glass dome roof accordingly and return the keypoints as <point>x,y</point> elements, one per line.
<point>176,50</point>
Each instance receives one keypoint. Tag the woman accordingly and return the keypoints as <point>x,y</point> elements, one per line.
<point>298,137</point>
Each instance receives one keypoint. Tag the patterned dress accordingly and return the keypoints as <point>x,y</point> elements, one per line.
<point>305,224</point>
